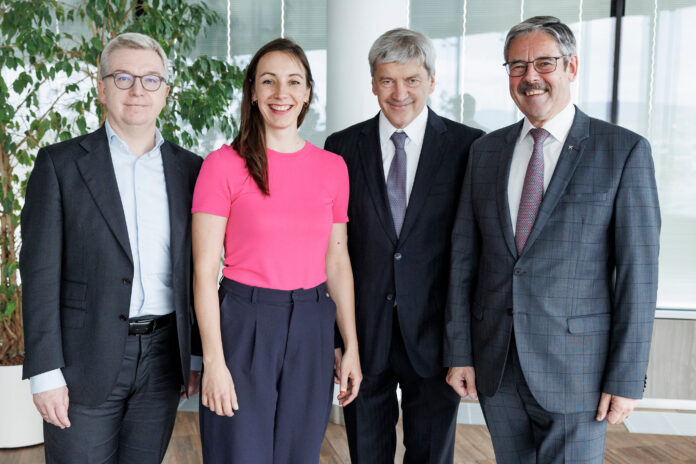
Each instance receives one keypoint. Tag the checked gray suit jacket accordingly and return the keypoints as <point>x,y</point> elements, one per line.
<point>581,296</point>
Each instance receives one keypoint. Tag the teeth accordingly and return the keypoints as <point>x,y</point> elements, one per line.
<point>529,93</point>
<point>280,107</point>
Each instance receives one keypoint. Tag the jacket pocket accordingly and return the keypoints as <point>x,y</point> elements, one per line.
<point>72,318</point>
<point>585,197</point>
<point>73,294</point>
<point>589,324</point>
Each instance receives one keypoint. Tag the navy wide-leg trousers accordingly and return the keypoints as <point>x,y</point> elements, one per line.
<point>279,349</point>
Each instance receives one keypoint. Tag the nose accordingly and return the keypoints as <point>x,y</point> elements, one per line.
<point>399,91</point>
<point>137,88</point>
<point>531,74</point>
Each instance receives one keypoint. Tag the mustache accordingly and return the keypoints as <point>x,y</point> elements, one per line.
<point>525,86</point>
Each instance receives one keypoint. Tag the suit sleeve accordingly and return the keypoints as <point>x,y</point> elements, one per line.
<point>462,284</point>
<point>636,248</point>
<point>40,268</point>
<point>196,344</point>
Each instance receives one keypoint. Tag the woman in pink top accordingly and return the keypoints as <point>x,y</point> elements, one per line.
<point>278,204</point>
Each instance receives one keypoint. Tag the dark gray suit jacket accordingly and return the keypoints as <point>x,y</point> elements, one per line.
<point>581,296</point>
<point>76,263</point>
<point>412,269</point>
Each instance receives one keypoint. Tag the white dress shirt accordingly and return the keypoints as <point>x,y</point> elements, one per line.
<point>558,128</point>
<point>415,132</point>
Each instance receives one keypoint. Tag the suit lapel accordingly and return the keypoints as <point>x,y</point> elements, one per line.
<point>431,156</point>
<point>97,171</point>
<point>176,179</point>
<point>371,161</point>
<point>501,189</point>
<point>571,153</point>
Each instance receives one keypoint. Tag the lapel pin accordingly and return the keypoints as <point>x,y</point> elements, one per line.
<point>570,147</point>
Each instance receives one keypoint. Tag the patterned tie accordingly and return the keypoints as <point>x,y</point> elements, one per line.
<point>396,181</point>
<point>532,190</point>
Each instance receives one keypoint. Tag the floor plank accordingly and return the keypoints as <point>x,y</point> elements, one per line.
<point>473,446</point>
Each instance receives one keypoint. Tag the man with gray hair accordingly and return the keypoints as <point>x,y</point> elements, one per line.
<point>553,281</point>
<point>406,167</point>
<point>106,273</point>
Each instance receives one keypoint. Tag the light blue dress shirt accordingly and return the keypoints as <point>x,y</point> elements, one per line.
<point>143,192</point>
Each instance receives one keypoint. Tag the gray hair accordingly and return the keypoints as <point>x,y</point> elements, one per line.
<point>402,45</point>
<point>131,40</point>
<point>548,24</point>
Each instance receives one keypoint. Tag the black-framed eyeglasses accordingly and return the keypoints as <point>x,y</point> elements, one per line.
<point>124,81</point>
<point>542,65</point>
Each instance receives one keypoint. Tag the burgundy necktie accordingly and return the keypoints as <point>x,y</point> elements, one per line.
<point>532,190</point>
<point>396,181</point>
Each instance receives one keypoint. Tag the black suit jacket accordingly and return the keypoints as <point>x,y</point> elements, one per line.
<point>76,263</point>
<point>413,269</point>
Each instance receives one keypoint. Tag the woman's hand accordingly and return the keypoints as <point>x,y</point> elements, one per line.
<point>217,390</point>
<point>350,377</point>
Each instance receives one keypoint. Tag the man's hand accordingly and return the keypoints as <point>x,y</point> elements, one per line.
<point>194,384</point>
<point>53,406</point>
<point>463,381</point>
<point>614,408</point>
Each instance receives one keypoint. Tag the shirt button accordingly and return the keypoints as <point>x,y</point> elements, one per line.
<point>123,317</point>
<point>126,281</point>
<point>397,256</point>
<point>390,297</point>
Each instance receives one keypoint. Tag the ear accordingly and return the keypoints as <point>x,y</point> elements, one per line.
<point>374,86</point>
<point>166,91</point>
<point>572,68</point>
<point>100,90</point>
<point>432,83</point>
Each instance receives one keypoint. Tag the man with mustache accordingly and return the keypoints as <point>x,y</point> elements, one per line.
<point>406,167</point>
<point>554,264</point>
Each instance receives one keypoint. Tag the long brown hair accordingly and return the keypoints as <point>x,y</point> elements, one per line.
<point>250,142</point>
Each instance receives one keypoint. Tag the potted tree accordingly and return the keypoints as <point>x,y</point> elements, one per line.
<point>48,93</point>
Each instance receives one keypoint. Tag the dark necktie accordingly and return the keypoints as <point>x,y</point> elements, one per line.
<point>532,190</point>
<point>396,181</point>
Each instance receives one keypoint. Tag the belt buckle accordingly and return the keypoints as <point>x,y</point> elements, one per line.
<point>141,327</point>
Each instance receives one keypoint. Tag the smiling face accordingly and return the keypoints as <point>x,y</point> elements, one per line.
<point>280,90</point>
<point>134,108</point>
<point>540,96</point>
<point>402,90</point>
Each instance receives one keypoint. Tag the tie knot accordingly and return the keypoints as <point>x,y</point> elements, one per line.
<point>399,139</point>
<point>539,135</point>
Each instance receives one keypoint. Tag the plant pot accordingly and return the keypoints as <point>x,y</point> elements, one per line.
<point>21,423</point>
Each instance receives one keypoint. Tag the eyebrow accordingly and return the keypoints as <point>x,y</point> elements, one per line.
<point>147,73</point>
<point>289,75</point>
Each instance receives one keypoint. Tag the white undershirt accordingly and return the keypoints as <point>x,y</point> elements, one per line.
<point>415,132</point>
<point>558,128</point>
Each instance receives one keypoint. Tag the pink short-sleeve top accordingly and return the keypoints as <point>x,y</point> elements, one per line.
<point>277,241</point>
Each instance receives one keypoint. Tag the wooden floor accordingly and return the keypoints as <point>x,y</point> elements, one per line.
<point>473,446</point>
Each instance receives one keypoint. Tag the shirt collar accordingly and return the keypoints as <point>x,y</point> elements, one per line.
<point>415,131</point>
<point>113,138</point>
<point>558,126</point>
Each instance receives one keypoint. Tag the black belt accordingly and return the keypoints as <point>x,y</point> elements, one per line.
<point>149,325</point>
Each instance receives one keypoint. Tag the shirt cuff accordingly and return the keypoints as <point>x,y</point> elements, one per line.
<point>47,381</point>
<point>196,363</point>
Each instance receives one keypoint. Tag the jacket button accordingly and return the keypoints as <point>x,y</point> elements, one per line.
<point>390,297</point>
<point>510,311</point>
<point>397,256</point>
<point>126,281</point>
<point>518,271</point>
<point>123,317</point>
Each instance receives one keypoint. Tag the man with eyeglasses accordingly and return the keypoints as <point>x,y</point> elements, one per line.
<point>553,277</point>
<point>106,273</point>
